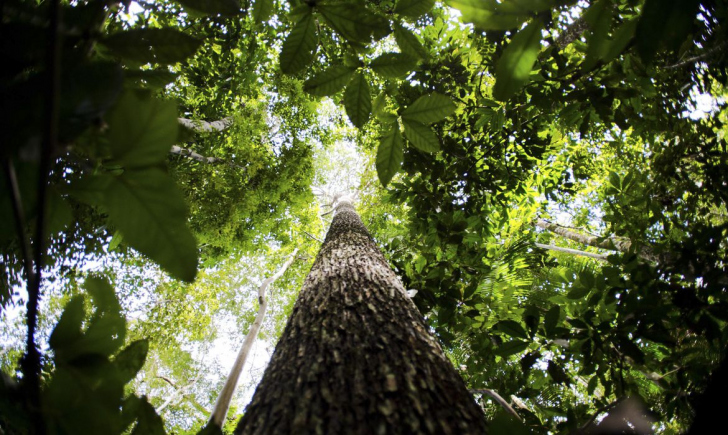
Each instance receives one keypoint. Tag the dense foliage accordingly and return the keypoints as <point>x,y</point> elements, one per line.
<point>189,133</point>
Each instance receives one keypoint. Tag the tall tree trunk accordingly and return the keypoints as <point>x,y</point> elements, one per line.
<point>356,355</point>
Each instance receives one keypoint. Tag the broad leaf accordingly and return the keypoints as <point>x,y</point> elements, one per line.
<point>165,46</point>
<point>358,100</point>
<point>148,422</point>
<point>213,7</point>
<point>551,319</point>
<point>353,21</point>
<point>131,359</point>
<point>486,16</point>
<point>664,23</point>
<point>409,43</point>
<point>147,208</point>
<point>141,133</point>
<point>512,328</point>
<point>413,8</point>
<point>68,328</point>
<point>329,82</point>
<point>393,65</point>
<point>511,348</point>
<point>421,136</point>
<point>429,108</point>
<point>514,67</point>
<point>389,155</point>
<point>299,48</point>
<point>262,10</point>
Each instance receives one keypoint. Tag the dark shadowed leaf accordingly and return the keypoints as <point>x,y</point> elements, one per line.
<point>131,359</point>
<point>358,100</point>
<point>147,208</point>
<point>141,133</point>
<point>213,7</point>
<point>262,10</point>
<point>393,65</point>
<point>514,67</point>
<point>512,328</point>
<point>486,16</point>
<point>68,328</point>
<point>551,319</point>
<point>429,108</point>
<point>148,422</point>
<point>353,21</point>
<point>409,43</point>
<point>389,155</point>
<point>511,348</point>
<point>299,48</point>
<point>421,136</point>
<point>165,46</point>
<point>329,82</point>
<point>413,8</point>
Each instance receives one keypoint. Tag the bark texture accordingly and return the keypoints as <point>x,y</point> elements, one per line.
<point>356,356</point>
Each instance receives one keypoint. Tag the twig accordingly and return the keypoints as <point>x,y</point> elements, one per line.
<point>594,416</point>
<point>19,214</point>
<point>501,401</point>
<point>313,237</point>
<point>699,57</point>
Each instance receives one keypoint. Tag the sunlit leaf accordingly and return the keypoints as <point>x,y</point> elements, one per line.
<point>409,43</point>
<point>389,155</point>
<point>514,67</point>
<point>413,8</point>
<point>152,45</point>
<point>262,10</point>
<point>429,108</point>
<point>393,65</point>
<point>329,82</point>
<point>421,136</point>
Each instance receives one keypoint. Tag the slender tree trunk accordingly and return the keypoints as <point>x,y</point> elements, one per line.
<point>356,356</point>
<point>223,401</point>
<point>601,257</point>
<point>611,244</point>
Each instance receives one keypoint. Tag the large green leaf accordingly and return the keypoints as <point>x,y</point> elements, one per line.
<point>131,359</point>
<point>262,10</point>
<point>147,208</point>
<point>421,136</point>
<point>329,82</point>
<point>358,100</point>
<point>165,46</point>
<point>664,23</point>
<point>512,328</point>
<point>389,155</point>
<point>429,108</point>
<point>409,43</point>
<point>353,21</point>
<point>511,348</point>
<point>487,15</point>
<point>393,65</point>
<point>141,133</point>
<point>68,328</point>
<point>299,48</point>
<point>213,7</point>
<point>514,67</point>
<point>413,8</point>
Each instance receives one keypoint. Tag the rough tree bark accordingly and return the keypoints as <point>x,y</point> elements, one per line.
<point>356,355</point>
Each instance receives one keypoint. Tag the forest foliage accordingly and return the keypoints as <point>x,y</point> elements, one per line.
<point>496,133</point>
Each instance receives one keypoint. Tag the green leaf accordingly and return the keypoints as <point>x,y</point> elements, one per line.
<point>131,359</point>
<point>213,7</point>
<point>68,328</point>
<point>358,100</point>
<point>621,39</point>
<point>486,16</point>
<point>262,10</point>
<point>421,136</point>
<point>115,241</point>
<point>329,82</point>
<point>299,48</point>
<point>353,21</point>
<point>578,292</point>
<point>505,423</point>
<point>511,348</point>
<point>551,319</point>
<point>513,69</point>
<point>586,277</point>
<point>389,155</point>
<point>393,65</point>
<point>149,45</point>
<point>141,133</point>
<point>664,24</point>
<point>512,328</point>
<point>413,8</point>
<point>557,373</point>
<point>599,17</point>
<point>147,208</point>
<point>103,295</point>
<point>148,423</point>
<point>152,78</point>
<point>409,43</point>
<point>630,349</point>
<point>429,108</point>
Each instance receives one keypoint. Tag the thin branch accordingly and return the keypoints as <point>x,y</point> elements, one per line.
<point>223,401</point>
<point>601,257</point>
<point>206,126</point>
<point>19,214</point>
<point>501,401</point>
<point>312,236</point>
<point>598,412</point>
<point>692,60</point>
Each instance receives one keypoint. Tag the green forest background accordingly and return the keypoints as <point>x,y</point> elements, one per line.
<point>161,159</point>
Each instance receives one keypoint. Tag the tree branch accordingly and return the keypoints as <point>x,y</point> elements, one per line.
<point>206,126</point>
<point>223,401</point>
<point>601,257</point>
<point>501,401</point>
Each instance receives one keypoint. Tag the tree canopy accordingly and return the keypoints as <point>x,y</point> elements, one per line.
<point>551,176</point>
